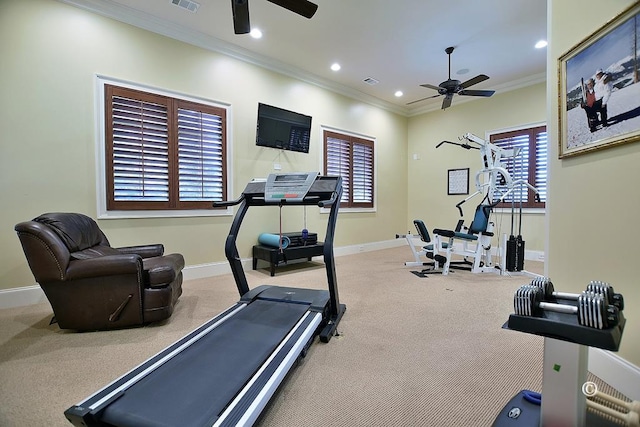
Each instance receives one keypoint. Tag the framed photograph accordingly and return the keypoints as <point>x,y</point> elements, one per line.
<point>599,88</point>
<point>458,181</point>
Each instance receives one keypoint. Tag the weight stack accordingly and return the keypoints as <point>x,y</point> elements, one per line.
<point>515,253</point>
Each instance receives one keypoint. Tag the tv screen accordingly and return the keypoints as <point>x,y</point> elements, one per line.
<point>284,129</point>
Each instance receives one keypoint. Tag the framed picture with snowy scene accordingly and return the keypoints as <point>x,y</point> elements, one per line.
<point>599,88</point>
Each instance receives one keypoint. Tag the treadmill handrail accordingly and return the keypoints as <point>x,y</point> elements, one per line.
<point>226,203</point>
<point>333,199</point>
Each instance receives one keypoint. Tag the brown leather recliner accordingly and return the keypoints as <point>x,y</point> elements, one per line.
<point>92,286</point>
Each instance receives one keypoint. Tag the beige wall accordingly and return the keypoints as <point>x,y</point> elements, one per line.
<point>594,198</point>
<point>51,54</point>
<point>428,199</point>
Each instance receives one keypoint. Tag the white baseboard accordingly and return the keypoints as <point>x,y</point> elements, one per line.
<point>18,297</point>
<point>615,371</point>
<point>33,294</point>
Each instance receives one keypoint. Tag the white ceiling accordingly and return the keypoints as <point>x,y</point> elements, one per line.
<point>399,43</point>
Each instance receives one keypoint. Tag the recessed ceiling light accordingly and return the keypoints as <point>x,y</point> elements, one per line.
<point>335,66</point>
<point>398,93</point>
<point>541,44</point>
<point>256,33</point>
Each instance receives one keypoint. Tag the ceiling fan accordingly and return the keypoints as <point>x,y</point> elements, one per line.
<point>240,10</point>
<point>450,87</point>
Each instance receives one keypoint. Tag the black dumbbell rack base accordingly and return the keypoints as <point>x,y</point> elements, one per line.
<point>566,327</point>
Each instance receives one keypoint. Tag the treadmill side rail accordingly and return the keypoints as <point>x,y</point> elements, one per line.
<point>245,409</point>
<point>87,412</point>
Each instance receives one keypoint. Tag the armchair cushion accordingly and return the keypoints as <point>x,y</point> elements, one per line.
<point>78,232</point>
<point>95,252</point>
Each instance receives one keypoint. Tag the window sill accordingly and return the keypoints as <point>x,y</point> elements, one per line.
<point>516,210</point>
<point>350,210</point>
<point>165,214</point>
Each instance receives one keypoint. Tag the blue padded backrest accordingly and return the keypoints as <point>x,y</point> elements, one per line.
<point>422,230</point>
<point>480,220</point>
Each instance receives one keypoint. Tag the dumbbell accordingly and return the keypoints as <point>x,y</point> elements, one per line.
<point>595,286</point>
<point>592,310</point>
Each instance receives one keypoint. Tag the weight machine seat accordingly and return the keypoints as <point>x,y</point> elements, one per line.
<point>477,231</point>
<point>478,226</point>
<point>424,235</point>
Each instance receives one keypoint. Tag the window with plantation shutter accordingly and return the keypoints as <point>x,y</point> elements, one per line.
<point>352,158</point>
<point>530,165</point>
<point>162,153</point>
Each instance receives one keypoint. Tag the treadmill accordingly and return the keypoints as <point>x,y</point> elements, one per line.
<point>226,371</point>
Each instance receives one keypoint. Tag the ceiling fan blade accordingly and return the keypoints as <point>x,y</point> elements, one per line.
<point>240,10</point>
<point>419,100</point>
<point>477,79</point>
<point>301,7</point>
<point>446,102</point>
<point>477,92</point>
<point>428,86</point>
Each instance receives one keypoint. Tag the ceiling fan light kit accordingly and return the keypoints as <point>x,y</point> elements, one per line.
<point>451,87</point>
<point>240,9</point>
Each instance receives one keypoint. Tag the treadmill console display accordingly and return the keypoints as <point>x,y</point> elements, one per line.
<point>291,187</point>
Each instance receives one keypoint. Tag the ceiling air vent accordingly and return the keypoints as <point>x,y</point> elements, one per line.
<point>191,6</point>
<point>371,81</point>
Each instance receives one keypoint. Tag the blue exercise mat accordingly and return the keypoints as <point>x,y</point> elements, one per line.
<point>274,240</point>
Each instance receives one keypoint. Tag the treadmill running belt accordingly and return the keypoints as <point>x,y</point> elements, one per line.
<point>194,387</point>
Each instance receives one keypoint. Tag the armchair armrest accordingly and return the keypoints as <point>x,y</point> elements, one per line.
<point>145,251</point>
<point>104,266</point>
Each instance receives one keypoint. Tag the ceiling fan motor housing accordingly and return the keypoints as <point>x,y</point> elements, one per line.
<point>449,86</point>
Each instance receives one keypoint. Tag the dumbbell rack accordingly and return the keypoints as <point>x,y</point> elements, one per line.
<point>564,371</point>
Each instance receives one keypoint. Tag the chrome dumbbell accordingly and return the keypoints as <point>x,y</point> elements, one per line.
<point>592,309</point>
<point>595,286</point>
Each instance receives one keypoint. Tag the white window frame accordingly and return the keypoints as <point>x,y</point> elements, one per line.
<point>100,143</point>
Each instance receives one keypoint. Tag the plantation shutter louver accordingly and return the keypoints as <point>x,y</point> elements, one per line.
<point>530,165</point>
<point>351,158</point>
<point>339,163</point>
<point>140,153</point>
<point>362,173</point>
<point>540,181</point>
<point>200,156</point>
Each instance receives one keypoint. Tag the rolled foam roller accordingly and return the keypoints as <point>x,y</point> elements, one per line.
<point>274,240</point>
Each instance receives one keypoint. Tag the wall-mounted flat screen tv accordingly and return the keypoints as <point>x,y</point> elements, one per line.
<point>284,129</point>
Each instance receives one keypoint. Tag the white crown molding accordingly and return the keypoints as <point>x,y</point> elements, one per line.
<point>138,19</point>
<point>141,20</point>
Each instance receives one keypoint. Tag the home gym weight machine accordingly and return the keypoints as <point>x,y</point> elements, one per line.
<point>226,371</point>
<point>494,183</point>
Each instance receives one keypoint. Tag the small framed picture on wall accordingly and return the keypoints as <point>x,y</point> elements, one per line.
<point>458,181</point>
